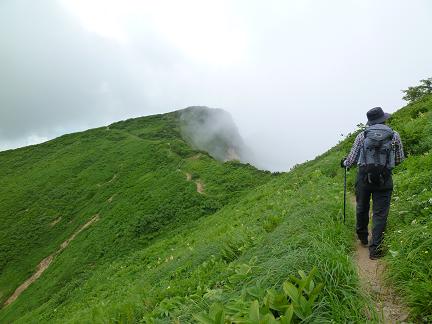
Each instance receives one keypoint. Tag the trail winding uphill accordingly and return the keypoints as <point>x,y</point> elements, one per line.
<point>388,305</point>
<point>45,263</point>
<point>199,183</point>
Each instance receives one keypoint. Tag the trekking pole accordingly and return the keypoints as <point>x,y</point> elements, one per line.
<point>345,181</point>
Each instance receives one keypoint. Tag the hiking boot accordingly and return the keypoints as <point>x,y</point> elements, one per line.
<point>376,255</point>
<point>364,243</point>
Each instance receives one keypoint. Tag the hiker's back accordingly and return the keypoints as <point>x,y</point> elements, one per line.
<point>376,151</point>
<point>377,157</point>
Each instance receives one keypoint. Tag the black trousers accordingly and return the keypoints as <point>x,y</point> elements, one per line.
<point>381,196</point>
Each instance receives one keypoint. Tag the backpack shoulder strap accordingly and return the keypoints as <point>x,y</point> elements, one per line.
<point>365,132</point>
<point>364,142</point>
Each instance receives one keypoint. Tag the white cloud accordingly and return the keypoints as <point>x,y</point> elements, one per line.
<point>204,31</point>
<point>36,139</point>
<point>101,17</point>
<point>278,66</point>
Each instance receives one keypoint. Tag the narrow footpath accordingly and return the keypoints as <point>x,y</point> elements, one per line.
<point>388,305</point>
<point>199,183</point>
<point>45,263</point>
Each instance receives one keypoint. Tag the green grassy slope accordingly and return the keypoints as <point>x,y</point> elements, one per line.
<point>133,174</point>
<point>409,236</point>
<point>153,257</point>
<point>408,239</point>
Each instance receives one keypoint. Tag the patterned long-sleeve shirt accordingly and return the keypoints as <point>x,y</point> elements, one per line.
<point>353,156</point>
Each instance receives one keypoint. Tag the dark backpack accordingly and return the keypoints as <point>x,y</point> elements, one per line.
<point>378,155</point>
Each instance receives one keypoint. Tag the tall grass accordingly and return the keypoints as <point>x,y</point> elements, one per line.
<point>162,252</point>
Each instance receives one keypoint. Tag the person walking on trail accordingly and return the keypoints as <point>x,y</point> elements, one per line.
<point>376,151</point>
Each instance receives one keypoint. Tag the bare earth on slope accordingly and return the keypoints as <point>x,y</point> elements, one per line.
<point>45,263</point>
<point>388,305</point>
<point>199,183</point>
<point>200,186</point>
<point>188,177</point>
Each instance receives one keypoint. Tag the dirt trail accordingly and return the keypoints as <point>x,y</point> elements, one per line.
<point>54,222</point>
<point>388,305</point>
<point>109,181</point>
<point>45,263</point>
<point>195,157</point>
<point>113,178</point>
<point>199,183</point>
<point>95,218</point>
<point>200,187</point>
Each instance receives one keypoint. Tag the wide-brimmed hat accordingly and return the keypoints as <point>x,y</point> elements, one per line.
<point>376,115</point>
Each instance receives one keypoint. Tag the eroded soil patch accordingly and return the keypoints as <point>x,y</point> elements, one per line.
<point>45,263</point>
<point>199,183</point>
<point>200,186</point>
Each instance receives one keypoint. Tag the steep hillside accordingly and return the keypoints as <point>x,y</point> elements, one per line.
<point>408,239</point>
<point>139,177</point>
<point>159,251</point>
<point>409,236</point>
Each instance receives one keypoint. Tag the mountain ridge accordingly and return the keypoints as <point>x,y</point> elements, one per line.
<point>163,252</point>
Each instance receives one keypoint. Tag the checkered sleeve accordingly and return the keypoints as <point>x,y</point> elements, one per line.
<point>353,156</point>
<point>399,153</point>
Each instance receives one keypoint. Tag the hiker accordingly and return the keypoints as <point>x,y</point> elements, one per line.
<point>376,150</point>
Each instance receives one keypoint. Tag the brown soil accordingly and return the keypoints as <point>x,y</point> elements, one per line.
<point>388,305</point>
<point>70,239</point>
<point>200,186</point>
<point>109,181</point>
<point>113,178</point>
<point>42,266</point>
<point>55,221</point>
<point>195,157</point>
<point>199,183</point>
<point>45,263</point>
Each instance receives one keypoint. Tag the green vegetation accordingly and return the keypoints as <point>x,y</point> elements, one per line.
<point>409,232</point>
<point>132,173</point>
<point>409,236</point>
<point>162,252</point>
<point>296,301</point>
<point>413,94</point>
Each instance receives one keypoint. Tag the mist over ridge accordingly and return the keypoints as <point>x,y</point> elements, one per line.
<point>71,65</point>
<point>213,130</point>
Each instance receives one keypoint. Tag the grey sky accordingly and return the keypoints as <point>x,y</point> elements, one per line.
<point>294,74</point>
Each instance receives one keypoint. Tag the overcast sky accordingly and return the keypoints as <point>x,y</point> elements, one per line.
<point>294,74</point>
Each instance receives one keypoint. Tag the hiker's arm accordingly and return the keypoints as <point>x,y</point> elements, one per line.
<point>353,156</point>
<point>399,153</point>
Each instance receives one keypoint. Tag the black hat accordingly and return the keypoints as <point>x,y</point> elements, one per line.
<point>376,115</point>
